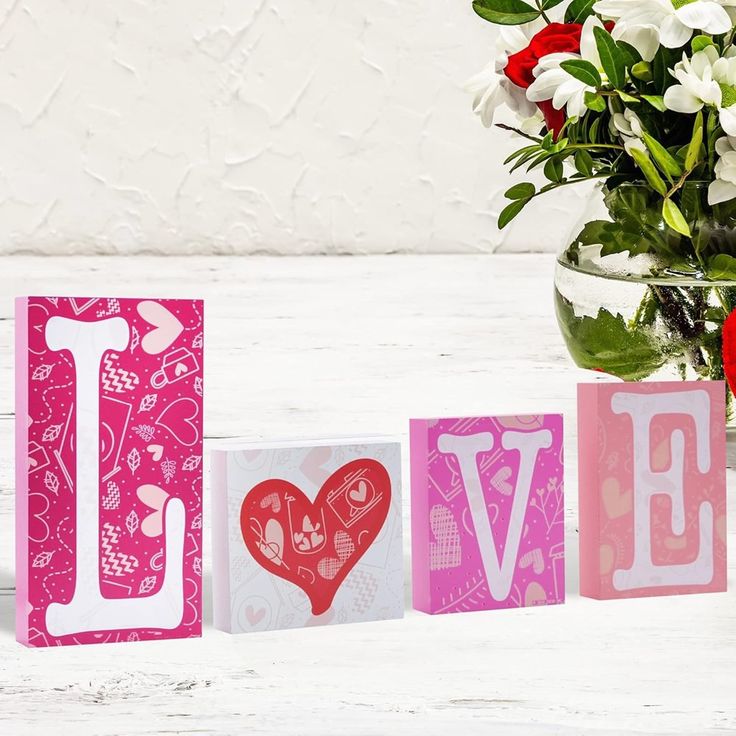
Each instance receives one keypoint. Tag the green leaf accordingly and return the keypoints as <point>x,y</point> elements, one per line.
<point>722,268</point>
<point>553,170</point>
<point>649,170</point>
<point>626,97</point>
<point>656,101</point>
<point>701,42</point>
<point>605,343</point>
<point>524,190</point>
<point>578,10</point>
<point>594,101</point>
<point>547,4</point>
<point>662,157</point>
<point>663,60</point>
<point>583,71</point>
<point>629,52</point>
<point>520,152</point>
<point>612,60</point>
<point>506,12</point>
<point>584,162</point>
<point>642,70</point>
<point>673,217</point>
<point>692,156</point>
<point>510,211</point>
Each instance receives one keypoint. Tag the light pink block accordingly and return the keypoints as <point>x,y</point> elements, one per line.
<point>487,512</point>
<point>108,469</point>
<point>652,485</point>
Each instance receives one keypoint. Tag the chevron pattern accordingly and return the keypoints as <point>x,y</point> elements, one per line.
<point>114,563</point>
<point>117,380</point>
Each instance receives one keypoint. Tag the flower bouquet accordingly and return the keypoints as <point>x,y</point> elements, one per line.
<point>640,96</point>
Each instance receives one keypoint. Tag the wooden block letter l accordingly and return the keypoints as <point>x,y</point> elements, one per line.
<point>88,610</point>
<point>466,449</point>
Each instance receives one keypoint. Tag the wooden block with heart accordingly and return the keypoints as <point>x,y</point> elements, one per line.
<point>108,469</point>
<point>487,512</point>
<point>652,488</point>
<point>306,534</point>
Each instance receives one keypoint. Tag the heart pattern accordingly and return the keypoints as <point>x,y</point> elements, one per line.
<point>616,502</point>
<point>181,418</point>
<point>157,452</point>
<point>500,481</point>
<point>166,327</point>
<point>315,544</point>
<point>155,498</point>
<point>446,552</point>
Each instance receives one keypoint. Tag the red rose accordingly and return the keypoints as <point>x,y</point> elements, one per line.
<point>555,38</point>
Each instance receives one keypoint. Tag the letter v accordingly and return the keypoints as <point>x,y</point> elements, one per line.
<point>466,448</point>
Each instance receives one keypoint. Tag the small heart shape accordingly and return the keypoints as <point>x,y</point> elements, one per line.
<point>157,452</point>
<point>180,368</point>
<point>182,418</point>
<point>254,616</point>
<point>166,327</point>
<point>298,536</point>
<point>500,481</point>
<point>304,545</point>
<point>155,498</point>
<point>616,502</point>
<point>316,539</point>
<point>307,524</point>
<point>360,493</point>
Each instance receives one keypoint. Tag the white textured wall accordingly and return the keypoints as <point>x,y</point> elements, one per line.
<point>292,126</point>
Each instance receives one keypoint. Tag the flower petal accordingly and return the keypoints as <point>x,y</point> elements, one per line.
<point>727,118</point>
<point>673,33</point>
<point>679,99</point>
<point>720,191</point>
<point>645,39</point>
<point>707,16</point>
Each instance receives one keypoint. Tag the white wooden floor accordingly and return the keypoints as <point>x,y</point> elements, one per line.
<point>318,346</point>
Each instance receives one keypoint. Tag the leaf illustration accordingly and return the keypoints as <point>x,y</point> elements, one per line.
<point>51,481</point>
<point>197,522</point>
<point>192,462</point>
<point>147,584</point>
<point>131,523</point>
<point>51,433</point>
<point>148,402</point>
<point>168,468</point>
<point>198,341</point>
<point>134,460</point>
<point>42,372</point>
<point>198,386</point>
<point>145,432</point>
<point>42,559</point>
<point>197,566</point>
<point>135,339</point>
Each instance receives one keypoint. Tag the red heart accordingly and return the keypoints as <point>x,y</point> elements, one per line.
<point>315,545</point>
<point>729,350</point>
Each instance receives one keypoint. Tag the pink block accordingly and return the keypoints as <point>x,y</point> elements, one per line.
<point>108,469</point>
<point>487,512</point>
<point>652,484</point>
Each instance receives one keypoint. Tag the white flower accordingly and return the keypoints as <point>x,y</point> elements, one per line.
<point>627,125</point>
<point>552,82</point>
<point>675,19</point>
<point>706,79</point>
<point>491,88</point>
<point>723,187</point>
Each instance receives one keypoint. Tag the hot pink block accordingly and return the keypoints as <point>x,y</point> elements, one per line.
<point>652,484</point>
<point>487,512</point>
<point>108,469</point>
